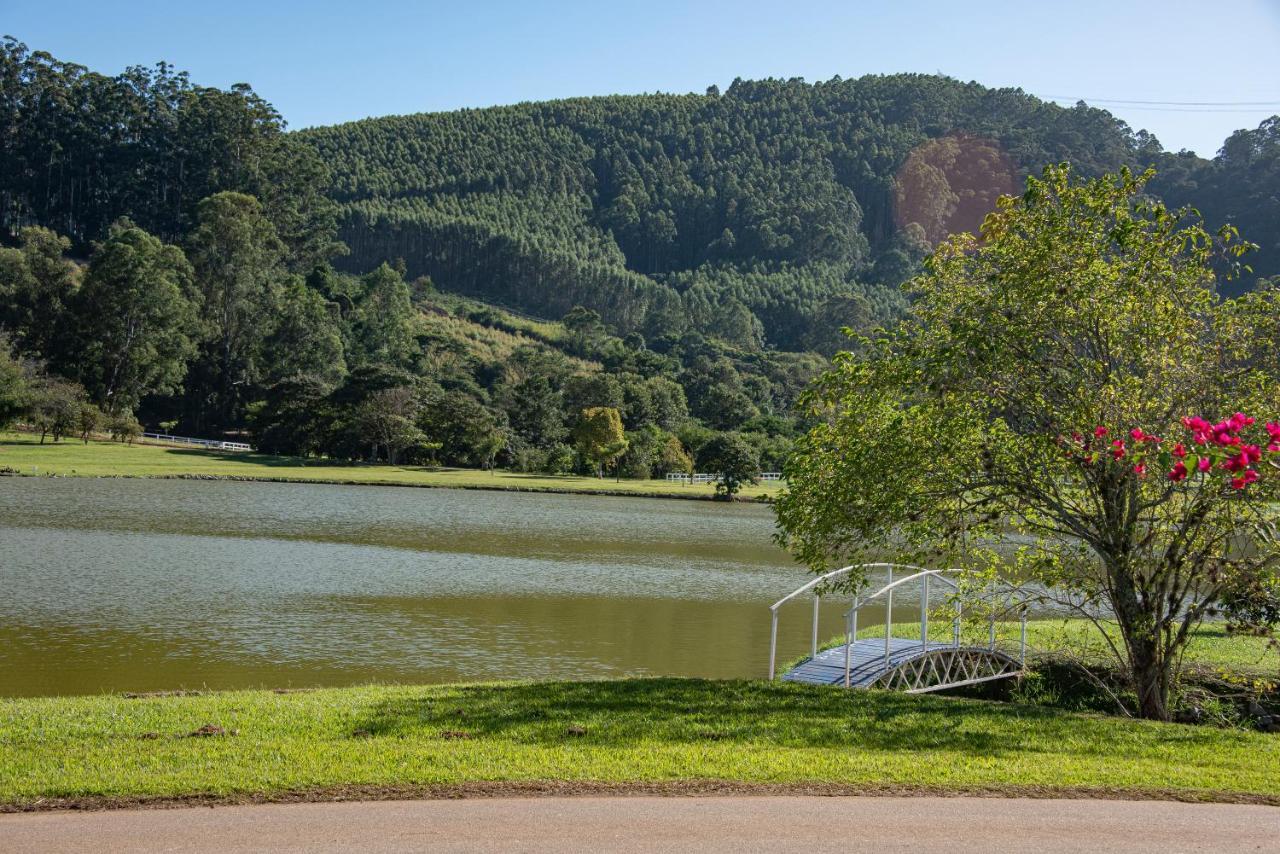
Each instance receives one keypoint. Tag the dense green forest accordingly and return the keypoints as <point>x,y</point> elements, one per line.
<point>474,287</point>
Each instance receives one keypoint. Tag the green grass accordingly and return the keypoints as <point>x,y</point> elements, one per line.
<point>620,732</point>
<point>111,459</point>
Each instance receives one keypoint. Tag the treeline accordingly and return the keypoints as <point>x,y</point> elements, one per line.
<point>1240,186</point>
<point>214,336</point>
<point>669,212</point>
<point>81,149</point>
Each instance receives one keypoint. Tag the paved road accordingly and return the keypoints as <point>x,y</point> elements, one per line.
<point>593,824</point>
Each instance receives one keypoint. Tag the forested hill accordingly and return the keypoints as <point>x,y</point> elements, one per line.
<point>667,212</point>
<point>658,276</point>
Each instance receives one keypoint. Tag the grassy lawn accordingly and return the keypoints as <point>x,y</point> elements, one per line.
<point>651,731</point>
<point>110,459</point>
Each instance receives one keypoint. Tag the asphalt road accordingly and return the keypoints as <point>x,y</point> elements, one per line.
<point>592,824</point>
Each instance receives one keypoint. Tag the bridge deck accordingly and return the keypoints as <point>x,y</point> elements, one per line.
<point>866,661</point>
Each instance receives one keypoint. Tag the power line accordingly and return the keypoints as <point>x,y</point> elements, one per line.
<point>1168,103</point>
<point>1254,111</point>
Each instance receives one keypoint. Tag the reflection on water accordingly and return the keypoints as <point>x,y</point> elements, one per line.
<point>144,585</point>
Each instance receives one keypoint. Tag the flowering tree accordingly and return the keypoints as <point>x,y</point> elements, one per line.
<point>1059,400</point>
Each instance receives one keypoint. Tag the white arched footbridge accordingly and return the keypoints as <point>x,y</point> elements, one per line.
<point>912,664</point>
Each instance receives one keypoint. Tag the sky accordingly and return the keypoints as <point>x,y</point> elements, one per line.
<point>1212,68</point>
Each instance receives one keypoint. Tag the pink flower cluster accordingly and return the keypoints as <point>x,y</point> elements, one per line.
<point>1218,446</point>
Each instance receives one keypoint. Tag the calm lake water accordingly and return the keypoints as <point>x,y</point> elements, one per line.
<point>136,585</point>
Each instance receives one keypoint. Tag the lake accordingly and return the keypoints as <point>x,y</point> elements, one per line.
<point>141,585</point>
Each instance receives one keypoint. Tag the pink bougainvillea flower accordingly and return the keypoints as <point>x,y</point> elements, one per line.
<point>1179,472</point>
<point>1273,430</point>
<point>1196,423</point>
<point>1205,464</point>
<point>1252,453</point>
<point>1222,435</point>
<point>1180,451</point>
<point>1140,469</point>
<point>1245,478</point>
<point>1137,434</point>
<point>1117,448</point>
<point>1239,421</point>
<point>1200,429</point>
<point>1099,431</point>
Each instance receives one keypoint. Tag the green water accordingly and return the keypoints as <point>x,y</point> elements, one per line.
<point>137,585</point>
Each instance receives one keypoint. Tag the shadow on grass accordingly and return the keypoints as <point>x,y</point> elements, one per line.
<point>690,711</point>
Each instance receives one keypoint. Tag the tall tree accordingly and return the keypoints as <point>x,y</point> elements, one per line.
<point>37,285</point>
<point>136,319</point>
<point>383,319</point>
<point>1043,406</point>
<point>239,266</point>
<point>306,341</point>
<point>599,437</point>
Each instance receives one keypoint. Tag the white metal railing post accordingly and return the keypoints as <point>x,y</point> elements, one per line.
<point>813,645</point>
<point>888,615</point>
<point>924,613</point>
<point>851,632</point>
<point>991,638</point>
<point>773,643</point>
<point>1022,656</point>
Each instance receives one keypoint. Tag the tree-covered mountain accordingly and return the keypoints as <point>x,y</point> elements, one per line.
<point>666,212</point>
<point>170,250</point>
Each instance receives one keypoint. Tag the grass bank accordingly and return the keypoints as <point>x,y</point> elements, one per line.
<point>646,733</point>
<point>72,458</point>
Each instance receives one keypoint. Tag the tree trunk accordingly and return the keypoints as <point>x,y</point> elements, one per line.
<point>1149,660</point>
<point>1151,681</point>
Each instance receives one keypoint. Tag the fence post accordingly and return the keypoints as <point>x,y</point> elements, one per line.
<point>956,624</point>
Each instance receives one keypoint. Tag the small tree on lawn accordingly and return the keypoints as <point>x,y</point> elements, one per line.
<point>1061,398</point>
<point>599,437</point>
<point>55,407</point>
<point>734,462</point>
<point>386,419</point>
<point>88,420</point>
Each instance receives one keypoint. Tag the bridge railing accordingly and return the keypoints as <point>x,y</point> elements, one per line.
<point>926,577</point>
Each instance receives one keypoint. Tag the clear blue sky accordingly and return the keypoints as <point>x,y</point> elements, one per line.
<point>322,62</point>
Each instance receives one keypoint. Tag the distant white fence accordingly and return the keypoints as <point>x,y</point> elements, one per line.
<point>213,444</point>
<point>702,477</point>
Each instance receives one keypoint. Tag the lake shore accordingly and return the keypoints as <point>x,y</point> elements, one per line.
<point>23,455</point>
<point>667,736</point>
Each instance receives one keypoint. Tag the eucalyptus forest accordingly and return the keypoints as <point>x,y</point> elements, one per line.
<point>484,287</point>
